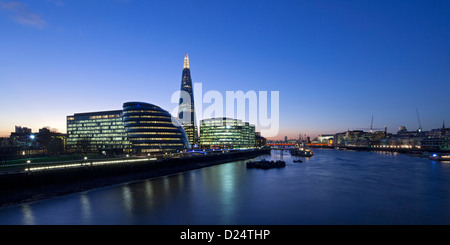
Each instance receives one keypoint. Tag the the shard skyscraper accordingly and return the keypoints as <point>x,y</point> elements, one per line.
<point>186,111</point>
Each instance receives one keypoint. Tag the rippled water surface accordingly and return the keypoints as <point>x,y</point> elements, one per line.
<point>333,187</point>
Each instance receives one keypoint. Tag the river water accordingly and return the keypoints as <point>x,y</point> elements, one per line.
<point>331,188</point>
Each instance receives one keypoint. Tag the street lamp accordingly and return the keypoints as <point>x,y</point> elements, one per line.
<point>27,151</point>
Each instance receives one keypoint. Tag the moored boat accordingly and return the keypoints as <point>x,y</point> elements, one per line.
<point>440,156</point>
<point>302,151</point>
<point>264,164</point>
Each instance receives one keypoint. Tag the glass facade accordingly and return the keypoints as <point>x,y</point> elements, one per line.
<point>97,132</point>
<point>186,111</point>
<point>152,129</point>
<point>226,133</point>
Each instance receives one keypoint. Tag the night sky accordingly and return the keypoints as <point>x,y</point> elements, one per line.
<point>334,63</point>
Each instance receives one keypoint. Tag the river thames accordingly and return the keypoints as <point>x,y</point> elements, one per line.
<point>333,187</point>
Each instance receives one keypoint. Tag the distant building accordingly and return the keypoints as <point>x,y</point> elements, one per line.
<point>22,130</point>
<point>352,138</point>
<point>226,133</point>
<point>396,141</point>
<point>325,138</point>
<point>436,139</point>
<point>23,142</point>
<point>435,143</point>
<point>403,132</point>
<point>51,141</point>
<point>259,140</point>
<point>356,138</point>
<point>22,136</point>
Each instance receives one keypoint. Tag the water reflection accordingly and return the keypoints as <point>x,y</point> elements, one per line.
<point>445,163</point>
<point>28,216</point>
<point>86,210</point>
<point>227,187</point>
<point>148,194</point>
<point>127,199</point>
<point>333,187</point>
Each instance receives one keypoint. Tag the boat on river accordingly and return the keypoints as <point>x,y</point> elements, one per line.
<point>440,156</point>
<point>302,151</point>
<point>298,160</point>
<point>264,164</point>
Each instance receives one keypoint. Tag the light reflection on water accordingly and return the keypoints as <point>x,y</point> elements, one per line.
<point>86,211</point>
<point>333,187</point>
<point>28,217</point>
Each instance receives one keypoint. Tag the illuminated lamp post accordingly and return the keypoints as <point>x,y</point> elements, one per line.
<point>32,137</point>
<point>28,155</point>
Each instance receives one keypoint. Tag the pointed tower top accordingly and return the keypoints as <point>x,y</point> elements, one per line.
<point>186,62</point>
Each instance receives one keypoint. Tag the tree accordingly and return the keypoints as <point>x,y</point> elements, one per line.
<point>6,149</point>
<point>46,137</point>
<point>56,146</point>
<point>84,145</point>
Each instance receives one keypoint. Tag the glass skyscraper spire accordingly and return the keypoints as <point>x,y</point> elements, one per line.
<point>186,112</point>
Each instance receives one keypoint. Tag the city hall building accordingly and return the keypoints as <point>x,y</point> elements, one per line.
<point>152,129</point>
<point>226,133</point>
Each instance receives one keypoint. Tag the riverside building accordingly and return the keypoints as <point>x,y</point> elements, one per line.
<point>152,129</point>
<point>97,132</point>
<point>226,133</point>
<point>138,128</point>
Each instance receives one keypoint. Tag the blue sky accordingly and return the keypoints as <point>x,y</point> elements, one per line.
<point>334,63</point>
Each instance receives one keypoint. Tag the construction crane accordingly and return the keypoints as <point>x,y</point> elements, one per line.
<point>371,127</point>
<point>371,124</point>
<point>418,118</point>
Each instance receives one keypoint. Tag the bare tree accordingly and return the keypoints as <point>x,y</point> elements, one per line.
<point>55,147</point>
<point>5,149</point>
<point>48,139</point>
<point>84,145</point>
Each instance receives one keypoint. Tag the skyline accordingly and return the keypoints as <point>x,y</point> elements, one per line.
<point>335,64</point>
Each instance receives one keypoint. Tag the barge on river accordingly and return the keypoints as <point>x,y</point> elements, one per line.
<point>264,164</point>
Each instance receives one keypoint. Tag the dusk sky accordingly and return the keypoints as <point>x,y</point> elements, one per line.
<point>334,63</point>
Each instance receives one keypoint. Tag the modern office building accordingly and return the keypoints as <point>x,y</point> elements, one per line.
<point>151,129</point>
<point>140,128</point>
<point>97,132</point>
<point>186,111</point>
<point>226,133</point>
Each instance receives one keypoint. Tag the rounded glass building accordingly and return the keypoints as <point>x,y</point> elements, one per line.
<point>151,129</point>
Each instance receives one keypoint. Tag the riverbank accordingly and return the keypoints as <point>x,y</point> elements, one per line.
<point>23,188</point>
<point>425,153</point>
